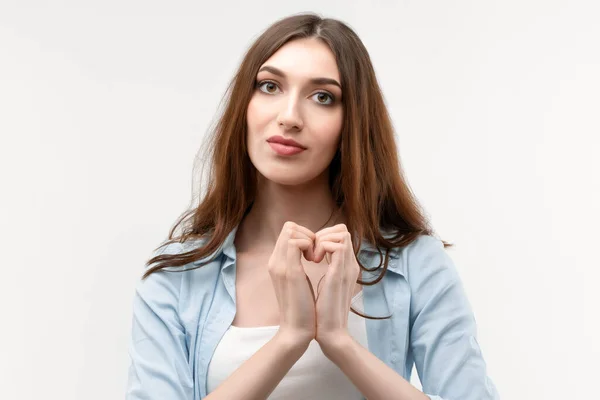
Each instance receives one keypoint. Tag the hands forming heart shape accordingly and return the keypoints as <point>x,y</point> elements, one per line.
<point>322,248</point>
<point>323,317</point>
<point>333,300</point>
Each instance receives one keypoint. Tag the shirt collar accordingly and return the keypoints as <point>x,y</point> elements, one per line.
<point>394,265</point>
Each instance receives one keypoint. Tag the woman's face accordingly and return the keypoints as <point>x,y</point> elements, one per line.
<point>296,97</point>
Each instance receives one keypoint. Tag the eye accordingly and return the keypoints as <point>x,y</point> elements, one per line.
<point>268,84</point>
<point>272,85</point>
<point>325,95</point>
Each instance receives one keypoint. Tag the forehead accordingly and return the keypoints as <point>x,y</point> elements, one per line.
<point>305,58</point>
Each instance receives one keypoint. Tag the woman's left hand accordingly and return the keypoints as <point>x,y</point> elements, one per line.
<point>335,296</point>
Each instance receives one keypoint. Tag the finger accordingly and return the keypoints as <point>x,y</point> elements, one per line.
<point>290,231</point>
<point>299,231</point>
<point>332,229</point>
<point>337,237</point>
<point>291,228</point>
<point>305,230</point>
<point>295,268</point>
<point>295,249</point>
<point>337,259</point>
<point>307,251</point>
<point>280,250</point>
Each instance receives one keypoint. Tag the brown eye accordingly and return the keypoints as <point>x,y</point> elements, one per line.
<point>324,96</point>
<point>270,85</point>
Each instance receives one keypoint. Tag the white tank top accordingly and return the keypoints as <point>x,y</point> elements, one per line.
<point>313,377</point>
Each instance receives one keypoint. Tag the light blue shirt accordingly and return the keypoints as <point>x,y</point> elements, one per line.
<point>180,317</point>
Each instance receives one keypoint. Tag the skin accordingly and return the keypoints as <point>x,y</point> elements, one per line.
<point>293,195</point>
<point>292,188</point>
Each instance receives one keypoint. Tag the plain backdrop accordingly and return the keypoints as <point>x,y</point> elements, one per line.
<point>104,104</point>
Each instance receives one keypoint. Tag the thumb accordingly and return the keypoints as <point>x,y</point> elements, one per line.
<point>309,253</point>
<point>296,247</point>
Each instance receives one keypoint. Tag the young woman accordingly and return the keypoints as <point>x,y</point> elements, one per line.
<point>307,219</point>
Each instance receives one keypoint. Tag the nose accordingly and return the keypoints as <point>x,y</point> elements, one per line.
<point>289,116</point>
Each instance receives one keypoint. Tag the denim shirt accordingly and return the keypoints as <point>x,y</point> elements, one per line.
<point>180,317</point>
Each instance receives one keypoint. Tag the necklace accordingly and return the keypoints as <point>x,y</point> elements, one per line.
<point>333,211</point>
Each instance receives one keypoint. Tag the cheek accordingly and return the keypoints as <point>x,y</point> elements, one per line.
<point>257,114</point>
<point>256,126</point>
<point>250,114</point>
<point>330,132</point>
<point>252,119</point>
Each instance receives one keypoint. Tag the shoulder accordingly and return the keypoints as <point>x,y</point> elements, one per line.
<point>162,285</point>
<point>175,290</point>
<point>409,259</point>
<point>167,281</point>
<point>421,249</point>
<point>425,260</point>
<point>175,248</point>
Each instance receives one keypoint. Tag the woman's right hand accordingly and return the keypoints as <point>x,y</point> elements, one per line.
<point>293,289</point>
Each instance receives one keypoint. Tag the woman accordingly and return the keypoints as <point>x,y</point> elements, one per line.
<point>306,219</point>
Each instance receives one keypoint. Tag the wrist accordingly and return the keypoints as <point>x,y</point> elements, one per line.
<point>291,342</point>
<point>333,347</point>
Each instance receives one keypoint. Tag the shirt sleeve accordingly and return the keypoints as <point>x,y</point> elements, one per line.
<point>443,336</point>
<point>158,351</point>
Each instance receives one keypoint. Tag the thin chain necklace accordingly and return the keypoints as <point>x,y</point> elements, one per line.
<point>334,211</point>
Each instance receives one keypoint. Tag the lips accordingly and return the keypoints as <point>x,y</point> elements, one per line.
<point>285,150</point>
<point>285,141</point>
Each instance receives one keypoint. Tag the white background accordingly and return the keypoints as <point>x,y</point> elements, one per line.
<point>103,105</point>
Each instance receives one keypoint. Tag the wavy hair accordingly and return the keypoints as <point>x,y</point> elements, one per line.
<point>365,175</point>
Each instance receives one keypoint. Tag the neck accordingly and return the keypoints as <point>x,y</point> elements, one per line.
<point>310,205</point>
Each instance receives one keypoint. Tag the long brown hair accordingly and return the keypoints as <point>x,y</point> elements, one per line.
<point>365,175</point>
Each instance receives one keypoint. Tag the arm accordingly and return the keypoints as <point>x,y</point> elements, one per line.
<point>260,374</point>
<point>158,350</point>
<point>372,377</point>
<point>444,332</point>
<point>443,340</point>
<point>159,355</point>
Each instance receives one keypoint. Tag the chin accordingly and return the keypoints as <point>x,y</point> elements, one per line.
<point>287,173</point>
<point>285,179</point>
<point>284,176</point>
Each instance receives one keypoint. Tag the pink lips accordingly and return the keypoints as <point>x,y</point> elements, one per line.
<point>285,146</point>
<point>285,150</point>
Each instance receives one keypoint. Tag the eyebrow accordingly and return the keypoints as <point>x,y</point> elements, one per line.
<point>316,81</point>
